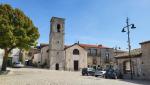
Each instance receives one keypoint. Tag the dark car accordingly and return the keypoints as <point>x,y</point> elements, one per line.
<point>84,71</point>
<point>88,71</point>
<point>111,74</point>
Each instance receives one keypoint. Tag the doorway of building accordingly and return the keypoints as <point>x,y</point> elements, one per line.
<point>57,66</point>
<point>76,65</point>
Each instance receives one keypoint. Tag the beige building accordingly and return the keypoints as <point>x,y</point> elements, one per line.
<point>145,46</point>
<point>123,63</point>
<point>98,55</point>
<point>76,57</point>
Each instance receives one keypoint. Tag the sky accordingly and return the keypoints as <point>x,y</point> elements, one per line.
<point>90,21</point>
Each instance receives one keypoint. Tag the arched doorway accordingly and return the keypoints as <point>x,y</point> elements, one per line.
<point>57,66</point>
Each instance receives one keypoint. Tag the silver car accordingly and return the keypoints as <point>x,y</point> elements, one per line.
<point>18,65</point>
<point>99,73</point>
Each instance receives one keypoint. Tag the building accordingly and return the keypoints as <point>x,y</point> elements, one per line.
<point>75,57</point>
<point>32,56</point>
<point>123,63</point>
<point>57,56</point>
<point>98,55</point>
<point>145,64</point>
<point>15,54</point>
<point>79,56</point>
<point>1,57</point>
<point>56,44</point>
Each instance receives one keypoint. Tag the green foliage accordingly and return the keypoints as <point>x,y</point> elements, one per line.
<point>16,29</point>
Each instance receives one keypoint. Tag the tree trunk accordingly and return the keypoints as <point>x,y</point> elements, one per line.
<point>4,65</point>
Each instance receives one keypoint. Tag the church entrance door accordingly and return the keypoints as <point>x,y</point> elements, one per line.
<point>76,65</point>
<point>57,66</point>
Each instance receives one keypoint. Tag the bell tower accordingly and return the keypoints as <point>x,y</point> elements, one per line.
<point>56,44</point>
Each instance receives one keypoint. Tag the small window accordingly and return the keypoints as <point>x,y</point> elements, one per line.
<point>76,52</point>
<point>58,27</point>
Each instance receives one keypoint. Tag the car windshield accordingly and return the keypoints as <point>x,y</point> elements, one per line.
<point>18,63</point>
<point>90,69</point>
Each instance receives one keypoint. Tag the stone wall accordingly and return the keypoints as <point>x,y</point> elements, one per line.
<point>44,54</point>
<point>146,60</point>
<point>136,67</point>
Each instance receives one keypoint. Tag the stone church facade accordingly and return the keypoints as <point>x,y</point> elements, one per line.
<point>76,57</point>
<point>57,56</point>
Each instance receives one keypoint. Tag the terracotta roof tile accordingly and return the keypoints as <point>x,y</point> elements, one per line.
<point>92,46</point>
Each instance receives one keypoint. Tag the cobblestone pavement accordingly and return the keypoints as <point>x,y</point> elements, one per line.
<point>30,76</point>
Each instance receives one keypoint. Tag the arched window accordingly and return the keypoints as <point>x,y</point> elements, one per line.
<point>76,52</point>
<point>58,27</point>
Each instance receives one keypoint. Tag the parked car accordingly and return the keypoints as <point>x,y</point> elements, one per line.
<point>99,73</point>
<point>18,65</point>
<point>88,71</point>
<point>84,71</point>
<point>111,74</point>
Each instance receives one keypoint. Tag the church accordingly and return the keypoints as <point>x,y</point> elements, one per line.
<point>58,56</point>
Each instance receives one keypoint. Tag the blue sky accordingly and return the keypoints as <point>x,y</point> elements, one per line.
<point>90,21</point>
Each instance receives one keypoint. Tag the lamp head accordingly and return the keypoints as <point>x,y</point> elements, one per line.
<point>123,30</point>
<point>132,26</point>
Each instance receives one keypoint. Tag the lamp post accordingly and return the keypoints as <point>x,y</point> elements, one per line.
<point>129,46</point>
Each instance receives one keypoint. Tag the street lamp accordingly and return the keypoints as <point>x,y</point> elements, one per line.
<point>129,46</point>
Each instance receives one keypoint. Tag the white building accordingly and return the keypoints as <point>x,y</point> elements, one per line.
<point>1,57</point>
<point>15,55</point>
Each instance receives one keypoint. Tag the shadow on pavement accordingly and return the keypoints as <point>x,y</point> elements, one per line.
<point>137,81</point>
<point>4,72</point>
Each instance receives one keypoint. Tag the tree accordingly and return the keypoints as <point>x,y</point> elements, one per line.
<point>16,31</point>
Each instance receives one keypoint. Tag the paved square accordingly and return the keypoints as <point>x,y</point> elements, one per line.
<point>33,76</point>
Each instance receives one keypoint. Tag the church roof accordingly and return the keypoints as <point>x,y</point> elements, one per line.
<point>86,46</point>
<point>92,46</point>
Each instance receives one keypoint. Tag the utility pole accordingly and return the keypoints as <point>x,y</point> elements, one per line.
<point>129,43</point>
